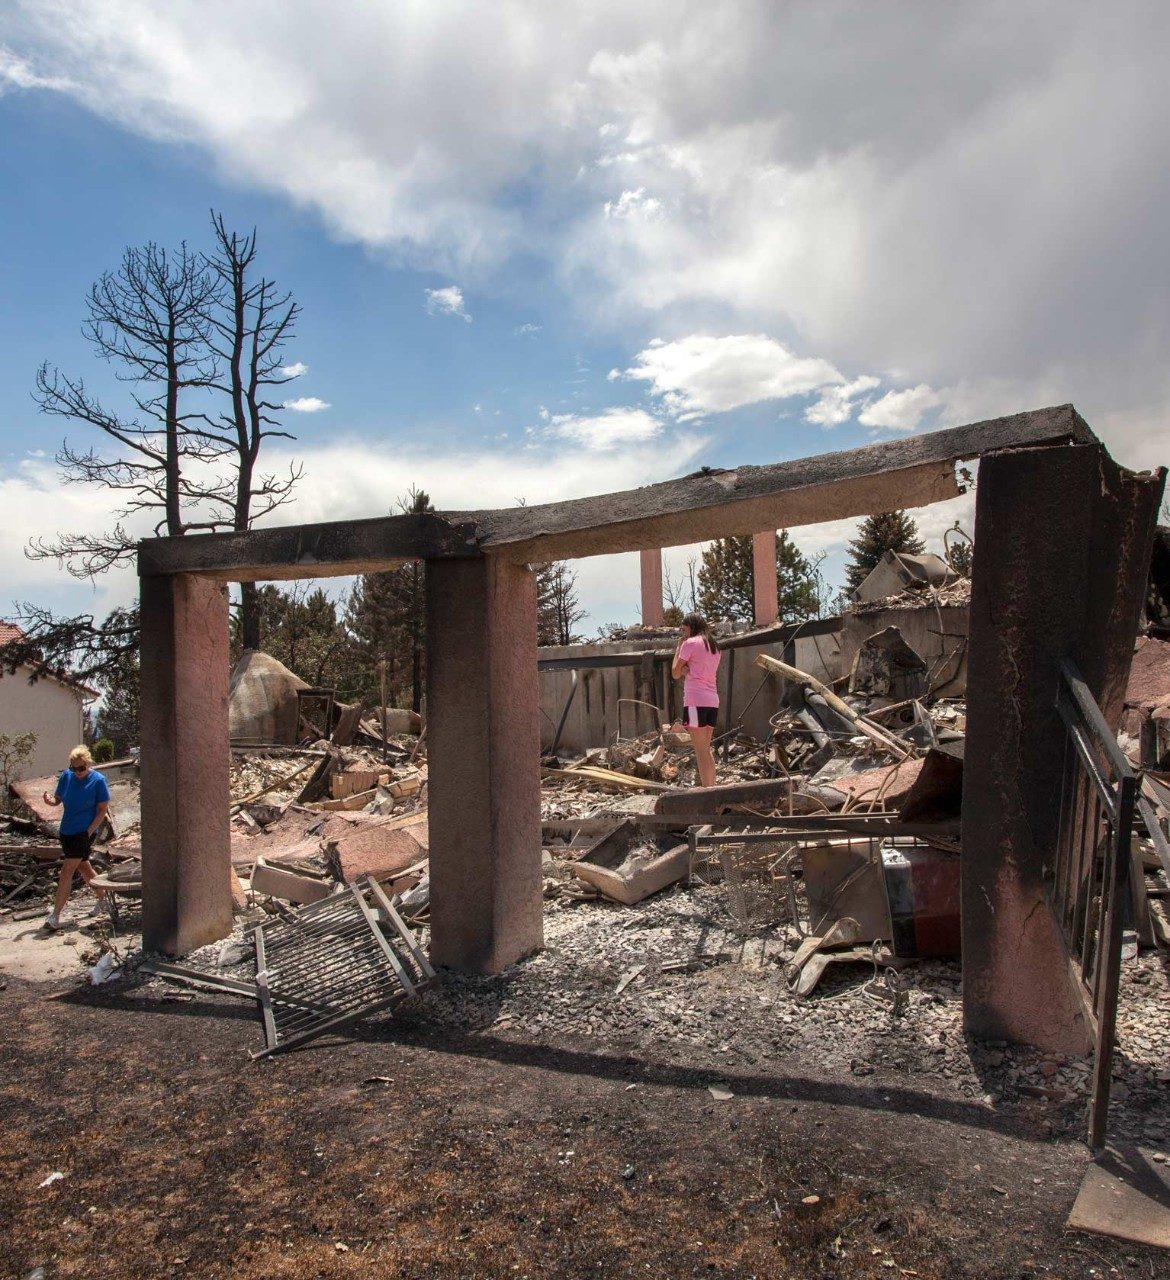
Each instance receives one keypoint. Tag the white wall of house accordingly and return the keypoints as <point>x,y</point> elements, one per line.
<point>51,710</point>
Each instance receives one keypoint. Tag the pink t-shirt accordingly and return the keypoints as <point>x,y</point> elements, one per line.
<point>699,688</point>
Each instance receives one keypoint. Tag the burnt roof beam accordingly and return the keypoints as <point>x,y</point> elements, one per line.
<point>908,472</point>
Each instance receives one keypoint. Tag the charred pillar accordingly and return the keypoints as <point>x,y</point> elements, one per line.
<point>186,844</point>
<point>483,763</point>
<point>1062,547</point>
<point>651,570</point>
<point>765,596</point>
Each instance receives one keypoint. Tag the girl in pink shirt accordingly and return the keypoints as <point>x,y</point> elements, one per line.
<point>697,658</point>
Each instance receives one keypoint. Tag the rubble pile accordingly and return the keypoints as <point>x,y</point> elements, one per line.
<point>920,596</point>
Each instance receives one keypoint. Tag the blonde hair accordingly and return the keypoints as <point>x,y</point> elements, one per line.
<point>80,753</point>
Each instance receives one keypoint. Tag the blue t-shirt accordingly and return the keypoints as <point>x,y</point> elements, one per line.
<point>81,797</point>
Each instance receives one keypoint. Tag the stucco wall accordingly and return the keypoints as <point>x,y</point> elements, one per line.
<point>50,710</point>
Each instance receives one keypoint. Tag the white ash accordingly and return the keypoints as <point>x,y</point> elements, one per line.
<point>722,1001</point>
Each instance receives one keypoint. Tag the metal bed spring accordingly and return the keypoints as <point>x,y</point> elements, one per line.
<point>332,962</point>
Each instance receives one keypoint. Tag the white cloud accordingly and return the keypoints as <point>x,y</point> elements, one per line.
<point>525,330</point>
<point>835,405</point>
<point>343,480</point>
<point>294,370</point>
<point>606,431</point>
<point>900,410</point>
<point>633,204</point>
<point>447,302</point>
<point>18,73</point>
<point>809,193</point>
<point>703,374</point>
<point>306,404</point>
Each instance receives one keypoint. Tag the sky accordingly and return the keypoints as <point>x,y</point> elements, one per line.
<point>546,251</point>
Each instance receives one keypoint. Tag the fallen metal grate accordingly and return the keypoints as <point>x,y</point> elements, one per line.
<point>331,962</point>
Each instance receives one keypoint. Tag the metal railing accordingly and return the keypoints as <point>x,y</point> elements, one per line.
<point>1090,873</point>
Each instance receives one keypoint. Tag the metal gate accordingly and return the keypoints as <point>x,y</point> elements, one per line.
<point>1088,881</point>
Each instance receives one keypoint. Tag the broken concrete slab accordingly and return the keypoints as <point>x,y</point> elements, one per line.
<point>761,795</point>
<point>276,882</point>
<point>885,787</point>
<point>1125,1193</point>
<point>627,866</point>
<point>378,847</point>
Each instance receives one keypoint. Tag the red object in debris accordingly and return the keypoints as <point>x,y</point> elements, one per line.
<point>922,885</point>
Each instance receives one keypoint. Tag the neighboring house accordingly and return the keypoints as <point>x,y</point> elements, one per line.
<point>51,708</point>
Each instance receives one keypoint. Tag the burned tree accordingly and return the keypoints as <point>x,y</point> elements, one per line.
<point>149,320</point>
<point>184,329</point>
<point>249,320</point>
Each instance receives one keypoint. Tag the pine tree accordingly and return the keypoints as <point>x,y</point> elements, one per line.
<point>300,628</point>
<point>891,531</point>
<point>725,580</point>
<point>557,608</point>
<point>118,718</point>
<point>386,618</point>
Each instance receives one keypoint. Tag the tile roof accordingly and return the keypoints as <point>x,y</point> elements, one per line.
<point>9,631</point>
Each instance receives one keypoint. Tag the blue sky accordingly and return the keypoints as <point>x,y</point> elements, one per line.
<point>538,258</point>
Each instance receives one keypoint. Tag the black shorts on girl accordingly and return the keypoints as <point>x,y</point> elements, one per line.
<point>700,717</point>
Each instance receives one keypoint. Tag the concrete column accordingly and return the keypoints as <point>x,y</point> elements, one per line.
<point>1061,551</point>
<point>651,587</point>
<point>483,753</point>
<point>186,846</point>
<point>767,607</point>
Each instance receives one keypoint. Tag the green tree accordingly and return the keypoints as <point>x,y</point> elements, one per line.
<point>726,580</point>
<point>15,752</point>
<point>890,531</point>
<point>301,629</point>
<point>119,716</point>
<point>386,619</point>
<point>557,608</point>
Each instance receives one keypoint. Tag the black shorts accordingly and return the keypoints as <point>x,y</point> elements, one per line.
<point>700,717</point>
<point>79,845</point>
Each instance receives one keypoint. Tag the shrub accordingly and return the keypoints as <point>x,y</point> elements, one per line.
<point>103,751</point>
<point>14,752</point>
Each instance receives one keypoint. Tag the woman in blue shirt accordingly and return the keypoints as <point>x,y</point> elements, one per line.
<point>83,793</point>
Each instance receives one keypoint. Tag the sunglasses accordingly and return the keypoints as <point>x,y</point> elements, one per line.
<point>78,768</point>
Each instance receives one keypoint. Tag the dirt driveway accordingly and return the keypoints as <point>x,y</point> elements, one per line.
<point>417,1151</point>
